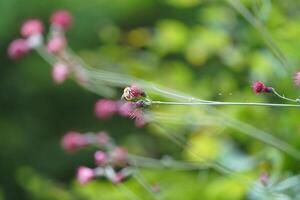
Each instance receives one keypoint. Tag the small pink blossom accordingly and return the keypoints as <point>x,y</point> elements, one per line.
<point>264,178</point>
<point>105,108</point>
<point>61,18</point>
<point>118,178</point>
<point>60,72</point>
<point>139,119</point>
<point>297,78</point>
<point>18,48</point>
<point>72,141</point>
<point>119,156</point>
<point>103,138</point>
<point>126,109</point>
<point>129,109</point>
<point>56,45</point>
<point>100,158</point>
<point>136,91</point>
<point>259,87</point>
<point>140,122</point>
<point>85,174</point>
<point>32,27</point>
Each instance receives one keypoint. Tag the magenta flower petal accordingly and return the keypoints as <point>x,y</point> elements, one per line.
<point>100,158</point>
<point>18,48</point>
<point>85,174</point>
<point>126,109</point>
<point>105,108</point>
<point>72,141</point>
<point>119,156</point>
<point>118,178</point>
<point>62,18</point>
<point>103,138</point>
<point>32,27</point>
<point>56,45</point>
<point>60,72</point>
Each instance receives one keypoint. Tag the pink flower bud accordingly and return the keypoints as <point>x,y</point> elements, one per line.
<point>119,156</point>
<point>126,109</point>
<point>102,138</point>
<point>100,158</point>
<point>60,72</point>
<point>297,78</point>
<point>140,122</point>
<point>264,178</point>
<point>32,27</point>
<point>259,87</point>
<point>105,108</point>
<point>56,45</point>
<point>118,178</point>
<point>139,119</point>
<point>85,174</point>
<point>62,18</point>
<point>18,48</point>
<point>72,141</point>
<point>136,91</point>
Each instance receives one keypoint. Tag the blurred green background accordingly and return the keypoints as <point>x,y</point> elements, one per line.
<point>204,48</point>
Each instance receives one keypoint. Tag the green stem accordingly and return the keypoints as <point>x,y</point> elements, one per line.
<point>285,98</point>
<point>225,103</point>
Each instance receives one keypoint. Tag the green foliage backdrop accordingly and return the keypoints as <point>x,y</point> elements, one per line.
<point>203,48</point>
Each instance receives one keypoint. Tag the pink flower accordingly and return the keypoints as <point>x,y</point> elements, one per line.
<point>102,137</point>
<point>126,109</point>
<point>61,18</point>
<point>118,178</point>
<point>60,72</point>
<point>297,78</point>
<point>135,90</point>
<point>119,156</point>
<point>72,141</point>
<point>56,45</point>
<point>139,119</point>
<point>105,108</point>
<point>130,109</point>
<point>85,174</point>
<point>100,158</point>
<point>140,122</point>
<point>264,177</point>
<point>32,27</point>
<point>18,48</point>
<point>259,87</point>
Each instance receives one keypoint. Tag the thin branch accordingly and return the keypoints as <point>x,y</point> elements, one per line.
<point>225,103</point>
<point>145,162</point>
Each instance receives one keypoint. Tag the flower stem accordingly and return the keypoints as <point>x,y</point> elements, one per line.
<point>285,98</point>
<point>225,103</point>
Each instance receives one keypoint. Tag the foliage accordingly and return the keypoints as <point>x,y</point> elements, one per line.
<point>207,49</point>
